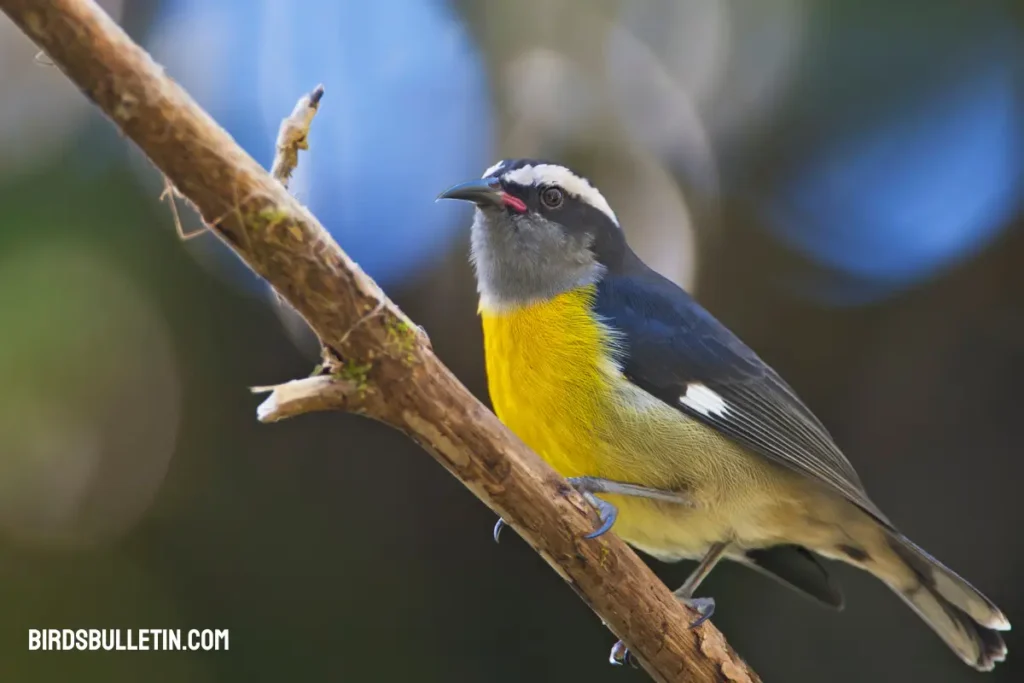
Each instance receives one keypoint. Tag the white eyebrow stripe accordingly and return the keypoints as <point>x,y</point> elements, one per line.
<point>552,174</point>
<point>494,168</point>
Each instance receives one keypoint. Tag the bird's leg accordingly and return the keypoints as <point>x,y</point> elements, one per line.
<point>588,486</point>
<point>598,485</point>
<point>704,606</point>
<point>607,512</point>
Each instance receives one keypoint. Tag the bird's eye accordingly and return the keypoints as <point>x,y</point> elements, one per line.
<point>552,196</point>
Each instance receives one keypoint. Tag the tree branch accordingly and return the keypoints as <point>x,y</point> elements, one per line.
<point>383,366</point>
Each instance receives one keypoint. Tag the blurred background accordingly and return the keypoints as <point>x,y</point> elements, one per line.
<point>839,181</point>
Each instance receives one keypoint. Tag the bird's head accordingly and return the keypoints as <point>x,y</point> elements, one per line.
<point>540,229</point>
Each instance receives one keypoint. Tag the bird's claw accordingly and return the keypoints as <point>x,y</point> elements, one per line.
<point>620,655</point>
<point>606,512</point>
<point>704,606</point>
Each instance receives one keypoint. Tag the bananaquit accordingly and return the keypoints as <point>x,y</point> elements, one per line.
<point>699,450</point>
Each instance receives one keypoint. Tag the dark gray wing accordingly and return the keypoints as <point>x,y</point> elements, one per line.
<point>677,351</point>
<point>799,569</point>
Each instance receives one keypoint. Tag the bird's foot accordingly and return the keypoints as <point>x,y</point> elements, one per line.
<point>620,656</point>
<point>588,486</point>
<point>607,512</point>
<point>705,607</point>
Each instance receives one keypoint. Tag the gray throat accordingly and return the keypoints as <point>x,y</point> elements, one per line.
<point>512,272</point>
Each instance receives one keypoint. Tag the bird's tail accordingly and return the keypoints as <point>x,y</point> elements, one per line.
<point>964,618</point>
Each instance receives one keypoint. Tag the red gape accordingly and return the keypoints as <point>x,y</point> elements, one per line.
<point>513,203</point>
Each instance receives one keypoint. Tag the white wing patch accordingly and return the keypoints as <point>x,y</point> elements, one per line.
<point>552,174</point>
<point>705,401</point>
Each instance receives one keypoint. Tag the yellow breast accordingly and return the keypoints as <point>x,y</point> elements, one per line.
<point>553,382</point>
<point>549,374</point>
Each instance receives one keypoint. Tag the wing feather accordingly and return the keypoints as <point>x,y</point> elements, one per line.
<point>669,342</point>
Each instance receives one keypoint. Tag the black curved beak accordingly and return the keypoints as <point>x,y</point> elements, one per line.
<point>486,191</point>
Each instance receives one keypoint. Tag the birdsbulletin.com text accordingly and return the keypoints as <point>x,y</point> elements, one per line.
<point>128,639</point>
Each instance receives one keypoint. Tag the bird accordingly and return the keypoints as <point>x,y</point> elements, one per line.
<point>687,443</point>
